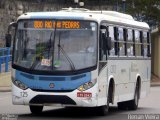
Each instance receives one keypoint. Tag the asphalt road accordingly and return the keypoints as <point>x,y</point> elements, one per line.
<point>149,105</point>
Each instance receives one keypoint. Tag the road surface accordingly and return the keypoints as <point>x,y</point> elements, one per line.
<point>149,105</point>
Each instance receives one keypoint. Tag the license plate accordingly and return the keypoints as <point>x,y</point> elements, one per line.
<point>84,94</point>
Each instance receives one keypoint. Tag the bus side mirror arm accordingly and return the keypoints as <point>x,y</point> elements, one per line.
<point>8,36</point>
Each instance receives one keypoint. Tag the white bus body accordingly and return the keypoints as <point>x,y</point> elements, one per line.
<point>121,72</point>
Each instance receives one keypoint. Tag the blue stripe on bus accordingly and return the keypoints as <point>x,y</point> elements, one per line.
<point>60,82</point>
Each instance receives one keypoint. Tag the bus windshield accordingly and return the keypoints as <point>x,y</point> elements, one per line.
<point>55,45</point>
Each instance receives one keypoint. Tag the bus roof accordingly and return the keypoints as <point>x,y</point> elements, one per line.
<point>112,17</point>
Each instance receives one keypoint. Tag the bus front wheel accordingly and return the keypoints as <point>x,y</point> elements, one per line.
<point>36,109</point>
<point>105,109</point>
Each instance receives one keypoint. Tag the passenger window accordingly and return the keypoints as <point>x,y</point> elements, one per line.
<point>130,43</point>
<point>145,37</point>
<point>142,41</point>
<point>112,34</point>
<point>121,48</point>
<point>130,35</point>
<point>121,42</point>
<point>149,45</point>
<point>137,43</point>
<point>137,36</point>
<point>145,50</point>
<point>120,31</point>
<point>138,49</point>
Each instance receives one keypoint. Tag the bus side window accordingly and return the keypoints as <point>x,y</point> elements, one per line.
<point>137,43</point>
<point>116,44</point>
<point>111,34</point>
<point>148,44</point>
<point>134,46</point>
<point>121,42</point>
<point>130,43</point>
<point>145,44</point>
<point>125,35</point>
<point>141,41</point>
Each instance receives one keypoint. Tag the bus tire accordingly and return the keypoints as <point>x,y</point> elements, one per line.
<point>122,105</point>
<point>133,104</point>
<point>105,109</point>
<point>36,109</point>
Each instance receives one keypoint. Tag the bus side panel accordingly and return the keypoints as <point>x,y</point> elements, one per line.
<point>145,85</point>
<point>102,86</point>
<point>17,94</point>
<point>125,74</point>
<point>120,69</point>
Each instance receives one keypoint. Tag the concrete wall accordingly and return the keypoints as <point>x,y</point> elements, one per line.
<point>11,9</point>
<point>156,53</point>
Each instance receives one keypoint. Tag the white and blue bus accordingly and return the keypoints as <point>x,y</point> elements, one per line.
<point>80,58</point>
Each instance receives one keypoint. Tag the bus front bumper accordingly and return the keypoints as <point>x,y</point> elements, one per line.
<point>77,98</point>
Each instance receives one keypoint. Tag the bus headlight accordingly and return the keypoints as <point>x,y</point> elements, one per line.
<point>19,84</point>
<point>87,85</point>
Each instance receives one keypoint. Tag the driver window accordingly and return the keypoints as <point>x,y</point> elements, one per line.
<point>112,32</point>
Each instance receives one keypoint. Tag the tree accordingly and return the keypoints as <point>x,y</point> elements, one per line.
<point>145,10</point>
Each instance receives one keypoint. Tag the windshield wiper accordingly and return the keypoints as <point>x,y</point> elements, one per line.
<point>54,37</point>
<point>50,43</point>
<point>35,62</point>
<point>64,53</point>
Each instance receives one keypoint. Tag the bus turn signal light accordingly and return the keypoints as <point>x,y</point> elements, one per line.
<point>87,85</point>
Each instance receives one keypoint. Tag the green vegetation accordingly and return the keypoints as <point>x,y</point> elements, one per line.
<point>145,10</point>
<point>142,10</point>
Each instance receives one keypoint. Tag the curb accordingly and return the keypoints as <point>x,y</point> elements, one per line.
<point>5,82</point>
<point>5,89</point>
<point>8,90</point>
<point>155,84</point>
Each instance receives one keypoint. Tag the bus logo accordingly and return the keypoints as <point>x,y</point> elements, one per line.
<point>51,85</point>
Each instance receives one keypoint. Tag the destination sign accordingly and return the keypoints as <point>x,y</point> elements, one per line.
<point>56,24</point>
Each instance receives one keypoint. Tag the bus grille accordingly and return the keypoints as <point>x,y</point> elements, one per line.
<point>51,99</point>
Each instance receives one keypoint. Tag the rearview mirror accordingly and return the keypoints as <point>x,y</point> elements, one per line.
<point>104,43</point>
<point>8,36</point>
<point>109,44</point>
